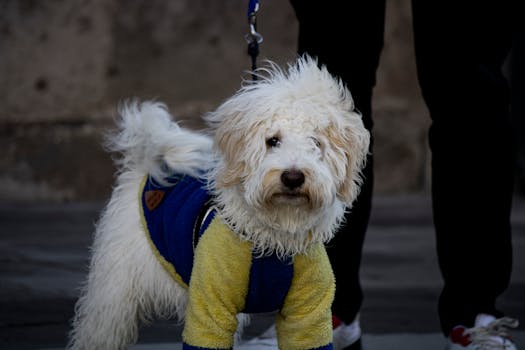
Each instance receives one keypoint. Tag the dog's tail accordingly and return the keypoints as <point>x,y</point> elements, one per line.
<point>149,141</point>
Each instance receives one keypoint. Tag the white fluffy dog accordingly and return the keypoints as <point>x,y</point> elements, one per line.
<point>244,213</point>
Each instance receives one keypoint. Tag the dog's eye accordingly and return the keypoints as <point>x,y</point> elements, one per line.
<point>316,142</point>
<point>273,142</point>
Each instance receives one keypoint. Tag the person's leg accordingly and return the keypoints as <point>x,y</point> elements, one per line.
<point>517,82</point>
<point>459,54</point>
<point>347,37</point>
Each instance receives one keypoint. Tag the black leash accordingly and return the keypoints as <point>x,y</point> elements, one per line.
<point>253,38</point>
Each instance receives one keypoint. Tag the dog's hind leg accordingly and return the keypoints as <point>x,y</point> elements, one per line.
<point>106,312</point>
<point>112,300</point>
<point>126,284</point>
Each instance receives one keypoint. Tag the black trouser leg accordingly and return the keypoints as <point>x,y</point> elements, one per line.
<point>347,37</point>
<point>459,53</point>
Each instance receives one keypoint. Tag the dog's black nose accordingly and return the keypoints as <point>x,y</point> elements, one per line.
<point>292,178</point>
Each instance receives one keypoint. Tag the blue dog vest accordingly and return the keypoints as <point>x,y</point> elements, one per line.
<point>175,216</point>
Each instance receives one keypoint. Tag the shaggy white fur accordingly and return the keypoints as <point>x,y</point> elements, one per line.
<point>298,121</point>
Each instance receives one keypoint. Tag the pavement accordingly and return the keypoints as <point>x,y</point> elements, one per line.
<point>44,249</point>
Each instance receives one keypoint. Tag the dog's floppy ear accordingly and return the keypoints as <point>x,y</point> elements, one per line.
<point>235,138</point>
<point>350,143</point>
<point>230,145</point>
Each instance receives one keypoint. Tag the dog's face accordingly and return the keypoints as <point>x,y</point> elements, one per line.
<point>290,161</point>
<point>299,167</point>
<point>291,149</point>
<point>293,171</point>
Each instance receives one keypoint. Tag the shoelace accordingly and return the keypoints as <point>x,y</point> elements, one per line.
<point>489,337</point>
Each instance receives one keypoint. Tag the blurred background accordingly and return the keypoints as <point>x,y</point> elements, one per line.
<point>65,65</point>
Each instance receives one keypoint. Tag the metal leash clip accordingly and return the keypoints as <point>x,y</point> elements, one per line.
<point>253,36</point>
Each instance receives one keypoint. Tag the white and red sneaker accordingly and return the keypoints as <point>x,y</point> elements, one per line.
<point>488,333</point>
<point>346,336</point>
<point>266,340</point>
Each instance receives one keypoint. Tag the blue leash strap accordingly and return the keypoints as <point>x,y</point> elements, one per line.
<point>253,38</point>
<point>253,7</point>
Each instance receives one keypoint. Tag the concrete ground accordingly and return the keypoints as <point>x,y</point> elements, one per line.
<point>44,255</point>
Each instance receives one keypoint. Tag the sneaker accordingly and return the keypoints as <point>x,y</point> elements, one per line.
<point>347,336</point>
<point>266,340</point>
<point>488,333</point>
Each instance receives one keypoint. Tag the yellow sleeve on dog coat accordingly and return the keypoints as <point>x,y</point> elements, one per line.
<point>219,286</point>
<point>305,321</point>
<point>221,259</point>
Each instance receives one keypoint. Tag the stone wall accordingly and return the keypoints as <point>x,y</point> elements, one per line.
<point>66,64</point>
